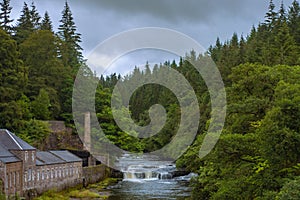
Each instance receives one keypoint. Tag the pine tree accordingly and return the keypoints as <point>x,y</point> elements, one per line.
<point>282,13</point>
<point>5,16</point>
<point>39,53</point>
<point>13,79</point>
<point>242,50</point>
<point>35,16</point>
<point>294,21</point>
<point>70,49</point>
<point>271,15</point>
<point>216,50</point>
<point>28,22</point>
<point>41,105</point>
<point>25,26</point>
<point>46,23</point>
<point>253,49</point>
<point>285,46</point>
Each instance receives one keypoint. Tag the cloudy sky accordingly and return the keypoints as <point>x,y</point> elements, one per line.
<point>202,20</point>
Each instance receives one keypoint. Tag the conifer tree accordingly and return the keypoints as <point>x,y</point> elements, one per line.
<point>294,21</point>
<point>282,13</point>
<point>35,16</point>
<point>13,78</point>
<point>285,46</point>
<point>70,49</point>
<point>271,15</point>
<point>41,105</point>
<point>39,53</point>
<point>5,16</point>
<point>25,26</point>
<point>46,23</point>
<point>242,50</point>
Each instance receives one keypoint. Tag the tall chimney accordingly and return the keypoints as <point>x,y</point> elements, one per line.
<point>87,131</point>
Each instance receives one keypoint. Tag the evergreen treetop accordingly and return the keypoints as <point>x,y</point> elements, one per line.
<point>70,48</point>
<point>46,23</point>
<point>5,20</point>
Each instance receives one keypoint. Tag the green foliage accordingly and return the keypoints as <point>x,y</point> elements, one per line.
<point>52,195</point>
<point>34,132</point>
<point>40,106</point>
<point>46,23</point>
<point>70,49</point>
<point>13,77</point>
<point>280,127</point>
<point>5,21</point>
<point>290,190</point>
<point>27,23</point>
<point>84,194</point>
<point>46,71</point>
<point>276,41</point>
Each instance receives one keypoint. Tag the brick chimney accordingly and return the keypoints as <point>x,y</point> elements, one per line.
<point>87,131</point>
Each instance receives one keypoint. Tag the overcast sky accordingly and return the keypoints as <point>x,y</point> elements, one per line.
<point>203,20</point>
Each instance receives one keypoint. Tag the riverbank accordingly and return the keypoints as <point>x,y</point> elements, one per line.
<point>92,191</point>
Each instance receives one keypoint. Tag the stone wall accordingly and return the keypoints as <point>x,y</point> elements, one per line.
<point>52,177</point>
<point>2,176</point>
<point>58,176</point>
<point>14,175</point>
<point>95,174</point>
<point>58,127</point>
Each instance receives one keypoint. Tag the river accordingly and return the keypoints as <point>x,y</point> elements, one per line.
<point>149,178</point>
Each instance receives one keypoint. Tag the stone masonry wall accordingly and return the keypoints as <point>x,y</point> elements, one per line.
<point>59,176</point>
<point>95,174</point>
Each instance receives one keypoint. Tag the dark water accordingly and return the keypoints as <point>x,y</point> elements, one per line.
<point>154,189</point>
<point>149,178</point>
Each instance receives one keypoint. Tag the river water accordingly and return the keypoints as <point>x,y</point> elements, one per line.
<point>149,178</point>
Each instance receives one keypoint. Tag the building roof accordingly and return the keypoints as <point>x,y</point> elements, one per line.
<point>66,156</point>
<point>39,163</point>
<point>12,159</point>
<point>6,156</point>
<point>11,142</point>
<point>47,158</point>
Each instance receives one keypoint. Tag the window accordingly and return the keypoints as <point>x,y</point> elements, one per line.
<point>26,155</point>
<point>48,173</point>
<point>6,181</point>
<point>14,178</point>
<point>33,175</point>
<point>59,172</point>
<point>52,174</point>
<point>38,175</point>
<point>25,177</point>
<point>9,179</point>
<point>32,156</point>
<point>43,175</point>
<point>18,178</point>
<point>67,173</point>
<point>56,174</point>
<point>29,175</point>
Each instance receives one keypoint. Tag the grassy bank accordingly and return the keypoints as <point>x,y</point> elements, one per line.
<point>91,192</point>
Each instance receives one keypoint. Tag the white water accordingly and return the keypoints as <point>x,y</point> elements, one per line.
<point>149,178</point>
<point>145,168</point>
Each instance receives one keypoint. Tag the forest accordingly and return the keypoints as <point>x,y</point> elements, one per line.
<point>258,153</point>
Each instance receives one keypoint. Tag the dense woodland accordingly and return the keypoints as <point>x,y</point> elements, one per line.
<point>258,153</point>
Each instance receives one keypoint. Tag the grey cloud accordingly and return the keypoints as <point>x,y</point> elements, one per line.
<point>204,20</point>
<point>170,10</point>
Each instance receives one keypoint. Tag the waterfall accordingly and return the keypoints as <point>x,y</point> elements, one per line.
<point>143,172</point>
<point>145,168</point>
<point>149,177</point>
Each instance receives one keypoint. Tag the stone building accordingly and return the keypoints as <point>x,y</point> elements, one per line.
<point>24,169</point>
